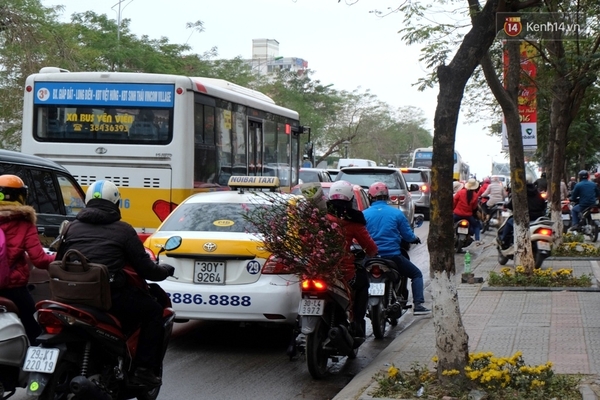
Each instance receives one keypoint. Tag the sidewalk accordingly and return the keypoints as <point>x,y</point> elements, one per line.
<point>559,325</point>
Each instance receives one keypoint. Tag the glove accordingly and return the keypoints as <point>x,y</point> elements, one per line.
<point>417,241</point>
<point>169,269</point>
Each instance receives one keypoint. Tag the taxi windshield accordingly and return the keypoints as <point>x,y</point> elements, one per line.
<point>210,217</point>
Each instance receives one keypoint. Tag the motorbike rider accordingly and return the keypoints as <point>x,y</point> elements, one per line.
<point>536,205</point>
<point>388,227</point>
<point>465,206</point>
<point>586,194</point>
<point>352,222</point>
<point>496,193</point>
<point>103,238</point>
<point>18,221</point>
<point>541,183</point>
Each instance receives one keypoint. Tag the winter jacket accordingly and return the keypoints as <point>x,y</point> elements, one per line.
<point>496,192</point>
<point>461,206</point>
<point>387,226</point>
<point>535,203</point>
<point>354,229</point>
<point>18,223</point>
<point>585,193</point>
<point>100,235</point>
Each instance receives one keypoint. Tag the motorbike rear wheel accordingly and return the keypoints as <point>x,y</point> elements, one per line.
<point>378,320</point>
<point>58,388</point>
<point>502,260</point>
<point>316,355</point>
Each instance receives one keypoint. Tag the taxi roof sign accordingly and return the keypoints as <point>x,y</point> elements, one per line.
<point>257,182</point>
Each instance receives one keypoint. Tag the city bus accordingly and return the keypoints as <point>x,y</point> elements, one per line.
<point>422,159</point>
<point>159,138</point>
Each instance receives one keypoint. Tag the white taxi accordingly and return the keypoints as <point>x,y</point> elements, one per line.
<point>222,272</point>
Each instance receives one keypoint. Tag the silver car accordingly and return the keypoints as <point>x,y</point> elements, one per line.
<point>422,197</point>
<point>399,190</point>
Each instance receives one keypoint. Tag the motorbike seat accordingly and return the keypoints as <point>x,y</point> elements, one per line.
<point>8,305</point>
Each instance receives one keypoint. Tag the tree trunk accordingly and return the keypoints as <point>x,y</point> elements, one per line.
<point>451,338</point>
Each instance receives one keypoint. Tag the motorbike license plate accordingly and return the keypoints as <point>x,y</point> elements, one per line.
<point>211,272</point>
<point>595,216</point>
<point>376,289</point>
<point>463,231</point>
<point>541,245</point>
<point>40,359</point>
<point>311,307</point>
<point>506,213</point>
<point>565,216</point>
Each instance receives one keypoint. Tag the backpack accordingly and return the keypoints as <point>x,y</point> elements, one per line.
<point>4,265</point>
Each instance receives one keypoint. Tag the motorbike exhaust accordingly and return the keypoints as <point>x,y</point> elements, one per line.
<point>341,339</point>
<point>86,389</point>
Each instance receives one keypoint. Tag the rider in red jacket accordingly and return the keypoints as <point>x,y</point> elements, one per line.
<point>354,226</point>
<point>17,220</point>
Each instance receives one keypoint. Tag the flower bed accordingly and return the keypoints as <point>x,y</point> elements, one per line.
<point>540,277</point>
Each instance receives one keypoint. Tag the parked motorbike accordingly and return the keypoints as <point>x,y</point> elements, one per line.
<point>589,221</point>
<point>324,322</point>
<point>540,231</point>
<point>84,354</point>
<point>565,214</point>
<point>13,346</point>
<point>462,237</point>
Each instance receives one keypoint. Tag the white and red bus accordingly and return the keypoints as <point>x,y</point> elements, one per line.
<point>159,138</point>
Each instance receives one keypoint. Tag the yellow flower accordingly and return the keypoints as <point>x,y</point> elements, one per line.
<point>450,372</point>
<point>392,372</point>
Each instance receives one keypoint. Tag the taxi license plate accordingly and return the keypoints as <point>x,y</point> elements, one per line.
<point>595,216</point>
<point>541,245</point>
<point>210,272</point>
<point>39,359</point>
<point>376,289</point>
<point>565,216</point>
<point>311,307</point>
<point>464,231</point>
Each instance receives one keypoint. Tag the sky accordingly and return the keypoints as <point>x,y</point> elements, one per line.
<point>345,45</point>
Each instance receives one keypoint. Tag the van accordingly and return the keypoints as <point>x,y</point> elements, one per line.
<point>355,162</point>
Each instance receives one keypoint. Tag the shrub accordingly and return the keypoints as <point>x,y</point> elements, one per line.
<point>540,277</point>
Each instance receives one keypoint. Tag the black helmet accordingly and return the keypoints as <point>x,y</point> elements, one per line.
<point>583,174</point>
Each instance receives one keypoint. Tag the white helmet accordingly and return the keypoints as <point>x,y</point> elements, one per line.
<point>341,190</point>
<point>105,190</point>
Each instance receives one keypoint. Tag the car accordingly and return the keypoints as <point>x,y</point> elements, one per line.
<point>55,196</point>
<point>222,271</point>
<point>307,175</point>
<point>422,197</point>
<point>333,173</point>
<point>400,192</point>
<point>53,192</point>
<point>359,202</point>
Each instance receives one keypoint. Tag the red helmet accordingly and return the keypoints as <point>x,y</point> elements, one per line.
<point>487,180</point>
<point>378,189</point>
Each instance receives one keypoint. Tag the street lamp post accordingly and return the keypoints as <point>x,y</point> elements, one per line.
<point>345,143</point>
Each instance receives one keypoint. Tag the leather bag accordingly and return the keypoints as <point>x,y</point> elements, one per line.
<point>74,280</point>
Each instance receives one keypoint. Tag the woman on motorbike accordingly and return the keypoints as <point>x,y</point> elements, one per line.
<point>465,204</point>
<point>22,242</point>
<point>536,205</point>
<point>353,225</point>
<point>495,192</point>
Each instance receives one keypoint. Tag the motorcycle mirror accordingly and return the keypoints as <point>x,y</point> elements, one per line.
<point>173,243</point>
<point>419,218</point>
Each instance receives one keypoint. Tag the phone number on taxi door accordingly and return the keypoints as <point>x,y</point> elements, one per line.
<point>213,299</point>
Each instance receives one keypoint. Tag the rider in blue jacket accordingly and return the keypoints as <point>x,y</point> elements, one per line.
<point>388,226</point>
<point>586,194</point>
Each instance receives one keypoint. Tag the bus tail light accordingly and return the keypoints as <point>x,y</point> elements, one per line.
<point>163,208</point>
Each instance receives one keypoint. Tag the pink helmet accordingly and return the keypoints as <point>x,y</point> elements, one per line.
<point>379,189</point>
<point>487,180</point>
<point>341,190</point>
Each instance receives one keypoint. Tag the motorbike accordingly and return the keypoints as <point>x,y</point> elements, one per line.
<point>565,214</point>
<point>493,218</point>
<point>462,237</point>
<point>325,324</point>
<point>589,221</point>
<point>540,231</point>
<point>13,346</point>
<point>83,352</point>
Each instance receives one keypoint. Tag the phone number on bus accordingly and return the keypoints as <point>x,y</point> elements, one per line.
<point>213,300</point>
